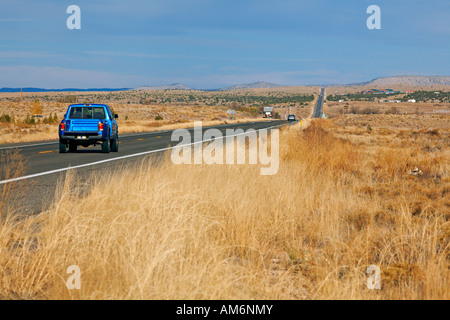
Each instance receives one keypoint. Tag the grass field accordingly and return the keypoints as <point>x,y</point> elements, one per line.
<point>350,192</point>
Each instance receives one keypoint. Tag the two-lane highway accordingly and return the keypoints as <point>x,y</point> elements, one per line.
<point>45,166</point>
<point>318,110</point>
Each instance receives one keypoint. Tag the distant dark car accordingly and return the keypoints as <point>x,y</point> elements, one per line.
<point>291,117</point>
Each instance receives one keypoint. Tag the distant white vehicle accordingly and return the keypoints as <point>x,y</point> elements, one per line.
<point>412,101</point>
<point>268,112</point>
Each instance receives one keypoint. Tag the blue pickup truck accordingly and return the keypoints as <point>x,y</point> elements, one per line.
<point>89,124</point>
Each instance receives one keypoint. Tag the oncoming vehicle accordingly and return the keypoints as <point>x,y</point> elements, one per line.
<point>291,117</point>
<point>89,124</point>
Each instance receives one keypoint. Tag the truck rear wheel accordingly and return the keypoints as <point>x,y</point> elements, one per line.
<point>62,147</point>
<point>115,144</point>
<point>106,147</point>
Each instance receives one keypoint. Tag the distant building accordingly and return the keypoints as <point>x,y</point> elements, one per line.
<point>412,100</point>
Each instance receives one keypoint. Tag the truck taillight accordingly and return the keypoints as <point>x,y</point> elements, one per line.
<point>63,126</point>
<point>100,126</point>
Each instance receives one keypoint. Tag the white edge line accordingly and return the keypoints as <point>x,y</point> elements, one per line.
<point>123,157</point>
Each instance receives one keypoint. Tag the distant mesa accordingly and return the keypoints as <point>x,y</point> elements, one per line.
<point>175,86</point>
<point>414,81</point>
<point>254,85</point>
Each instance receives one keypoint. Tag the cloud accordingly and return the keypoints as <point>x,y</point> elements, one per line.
<point>26,55</point>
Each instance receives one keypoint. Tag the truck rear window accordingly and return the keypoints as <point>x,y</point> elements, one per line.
<point>87,113</point>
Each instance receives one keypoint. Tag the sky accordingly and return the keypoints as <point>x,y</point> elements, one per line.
<point>209,44</point>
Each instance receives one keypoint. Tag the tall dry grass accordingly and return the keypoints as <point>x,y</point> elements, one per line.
<point>12,165</point>
<point>160,231</point>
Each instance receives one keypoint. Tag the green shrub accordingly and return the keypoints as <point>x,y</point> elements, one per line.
<point>6,118</point>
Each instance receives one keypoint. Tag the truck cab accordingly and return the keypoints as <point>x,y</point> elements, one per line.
<point>89,124</point>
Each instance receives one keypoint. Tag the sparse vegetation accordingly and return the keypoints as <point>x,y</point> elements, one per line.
<point>67,99</point>
<point>6,118</point>
<point>342,200</point>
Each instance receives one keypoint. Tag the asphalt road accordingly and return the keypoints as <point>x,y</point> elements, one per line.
<point>318,110</point>
<point>46,167</point>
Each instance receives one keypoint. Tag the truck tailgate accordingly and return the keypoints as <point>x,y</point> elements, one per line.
<point>84,125</point>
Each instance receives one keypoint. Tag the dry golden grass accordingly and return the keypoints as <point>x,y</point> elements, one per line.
<point>336,206</point>
<point>334,109</point>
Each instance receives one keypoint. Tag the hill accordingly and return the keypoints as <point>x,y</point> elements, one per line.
<point>413,81</point>
<point>175,86</point>
<point>254,85</point>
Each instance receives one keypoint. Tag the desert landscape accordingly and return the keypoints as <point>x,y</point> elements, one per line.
<point>26,118</point>
<point>225,158</point>
<point>353,190</point>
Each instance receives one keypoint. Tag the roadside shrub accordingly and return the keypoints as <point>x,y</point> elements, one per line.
<point>5,118</point>
<point>29,120</point>
<point>50,119</point>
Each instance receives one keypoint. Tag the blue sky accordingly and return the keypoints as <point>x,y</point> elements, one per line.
<point>209,44</point>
